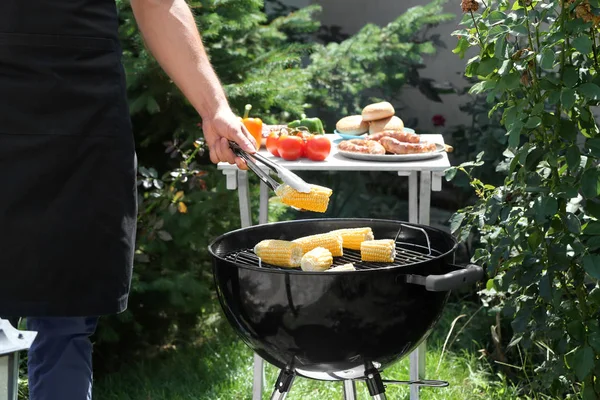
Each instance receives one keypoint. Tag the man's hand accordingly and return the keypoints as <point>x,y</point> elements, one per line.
<point>219,130</point>
<point>170,32</point>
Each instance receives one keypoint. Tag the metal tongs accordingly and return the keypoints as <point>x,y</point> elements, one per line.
<point>287,176</point>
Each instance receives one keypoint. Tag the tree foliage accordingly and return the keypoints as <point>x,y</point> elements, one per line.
<point>376,63</point>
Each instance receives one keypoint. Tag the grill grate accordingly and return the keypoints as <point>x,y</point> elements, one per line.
<point>406,254</point>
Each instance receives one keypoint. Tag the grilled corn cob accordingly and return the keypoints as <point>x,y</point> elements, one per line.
<point>344,267</point>
<point>383,250</point>
<point>331,241</point>
<point>282,253</point>
<point>318,259</point>
<point>316,200</point>
<point>353,237</point>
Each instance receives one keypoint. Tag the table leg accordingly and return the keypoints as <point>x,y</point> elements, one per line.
<point>425,198</point>
<point>244,198</point>
<point>436,181</point>
<point>417,357</point>
<point>413,197</point>
<point>259,363</point>
<point>231,176</point>
<point>246,217</point>
<point>263,211</point>
<point>413,217</point>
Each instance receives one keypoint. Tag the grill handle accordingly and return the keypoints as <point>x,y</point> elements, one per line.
<point>461,276</point>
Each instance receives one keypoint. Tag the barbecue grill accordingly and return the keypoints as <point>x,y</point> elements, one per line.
<point>343,325</point>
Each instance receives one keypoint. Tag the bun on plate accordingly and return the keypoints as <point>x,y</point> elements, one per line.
<point>392,123</point>
<point>352,125</point>
<point>376,111</point>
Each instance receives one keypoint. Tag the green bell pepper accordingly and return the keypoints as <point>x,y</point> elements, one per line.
<point>314,125</point>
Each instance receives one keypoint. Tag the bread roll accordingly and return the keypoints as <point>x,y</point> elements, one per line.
<point>352,125</point>
<point>376,111</point>
<point>392,123</point>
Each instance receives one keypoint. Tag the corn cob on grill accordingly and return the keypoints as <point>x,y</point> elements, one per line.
<point>353,237</point>
<point>281,253</point>
<point>344,267</point>
<point>318,259</point>
<point>382,250</point>
<point>330,241</point>
<point>316,200</point>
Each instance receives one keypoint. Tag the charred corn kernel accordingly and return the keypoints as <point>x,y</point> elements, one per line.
<point>383,250</point>
<point>330,241</point>
<point>316,200</point>
<point>282,253</point>
<point>353,237</point>
<point>318,259</point>
<point>344,267</point>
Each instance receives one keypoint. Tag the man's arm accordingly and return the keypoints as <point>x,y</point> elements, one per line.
<point>169,30</point>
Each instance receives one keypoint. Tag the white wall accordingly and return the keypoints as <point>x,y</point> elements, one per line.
<point>351,15</point>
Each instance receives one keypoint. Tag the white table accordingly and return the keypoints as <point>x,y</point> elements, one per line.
<point>423,177</point>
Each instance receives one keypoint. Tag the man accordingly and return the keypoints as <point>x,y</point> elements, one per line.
<point>68,169</point>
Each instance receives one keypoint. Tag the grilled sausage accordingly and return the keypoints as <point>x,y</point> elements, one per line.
<point>408,137</point>
<point>362,146</point>
<point>394,146</point>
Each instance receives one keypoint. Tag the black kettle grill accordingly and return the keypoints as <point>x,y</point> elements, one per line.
<point>346,325</point>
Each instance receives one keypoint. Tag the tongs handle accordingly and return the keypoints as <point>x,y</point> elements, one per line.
<point>238,150</point>
<point>287,176</point>
<point>262,175</point>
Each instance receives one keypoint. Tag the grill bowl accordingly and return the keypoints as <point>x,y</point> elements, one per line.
<point>328,325</point>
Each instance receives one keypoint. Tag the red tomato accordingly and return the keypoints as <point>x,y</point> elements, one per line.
<point>304,135</point>
<point>290,147</point>
<point>318,147</point>
<point>305,138</point>
<point>272,144</point>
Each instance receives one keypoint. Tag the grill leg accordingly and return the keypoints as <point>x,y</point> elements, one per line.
<point>417,369</point>
<point>349,390</point>
<point>283,385</point>
<point>375,384</point>
<point>259,369</point>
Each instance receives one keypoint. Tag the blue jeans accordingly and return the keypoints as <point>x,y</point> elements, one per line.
<point>60,358</point>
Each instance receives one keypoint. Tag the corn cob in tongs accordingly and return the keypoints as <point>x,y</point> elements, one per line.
<point>294,191</point>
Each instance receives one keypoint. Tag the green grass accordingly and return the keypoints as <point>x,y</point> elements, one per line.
<point>222,369</point>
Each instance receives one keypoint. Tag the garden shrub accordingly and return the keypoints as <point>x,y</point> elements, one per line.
<point>539,231</point>
<point>484,134</point>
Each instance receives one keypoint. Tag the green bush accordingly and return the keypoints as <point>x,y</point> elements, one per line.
<point>539,231</point>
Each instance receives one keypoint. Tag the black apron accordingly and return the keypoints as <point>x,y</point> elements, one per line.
<point>68,198</point>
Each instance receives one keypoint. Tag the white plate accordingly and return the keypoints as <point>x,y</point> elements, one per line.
<point>394,157</point>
